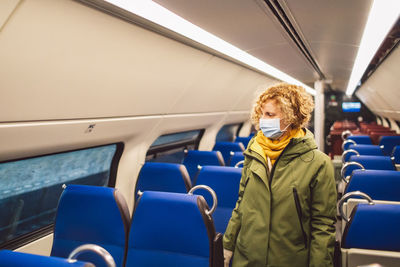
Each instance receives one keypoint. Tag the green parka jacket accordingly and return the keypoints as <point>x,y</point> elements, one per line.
<point>284,216</point>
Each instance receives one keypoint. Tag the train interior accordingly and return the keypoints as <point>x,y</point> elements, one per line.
<point>123,123</point>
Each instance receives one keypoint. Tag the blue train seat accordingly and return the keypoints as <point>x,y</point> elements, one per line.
<point>369,163</point>
<point>226,148</point>
<point>196,158</point>
<point>166,177</point>
<point>244,140</point>
<point>396,154</point>
<point>173,229</point>
<point>235,158</point>
<point>388,143</point>
<point>378,184</point>
<point>356,139</point>
<point>373,227</point>
<point>10,258</point>
<point>371,150</point>
<point>225,183</point>
<point>95,215</point>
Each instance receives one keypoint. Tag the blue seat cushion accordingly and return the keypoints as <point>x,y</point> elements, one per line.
<point>195,158</point>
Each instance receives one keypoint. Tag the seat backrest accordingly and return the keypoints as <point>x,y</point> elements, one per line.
<point>225,183</point>
<point>388,143</point>
<point>95,215</point>
<point>235,158</point>
<point>396,154</point>
<point>373,227</point>
<point>226,148</point>
<point>360,139</point>
<point>172,229</point>
<point>378,184</point>
<point>166,177</point>
<point>244,140</point>
<point>196,158</point>
<point>372,150</point>
<point>10,258</point>
<point>371,163</point>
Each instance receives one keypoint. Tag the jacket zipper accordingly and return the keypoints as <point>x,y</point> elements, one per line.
<point>299,214</point>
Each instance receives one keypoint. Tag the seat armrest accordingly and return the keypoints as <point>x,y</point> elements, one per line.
<point>218,251</point>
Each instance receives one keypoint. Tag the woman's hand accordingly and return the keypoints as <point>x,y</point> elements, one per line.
<point>227,257</point>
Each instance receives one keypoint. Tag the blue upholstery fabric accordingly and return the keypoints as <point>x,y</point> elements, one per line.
<point>194,158</point>
<point>91,214</point>
<point>389,142</point>
<point>166,177</point>
<point>378,184</point>
<point>371,150</point>
<point>244,140</point>
<point>361,139</point>
<point>235,158</point>
<point>226,148</point>
<point>168,229</point>
<point>225,182</point>
<point>371,163</point>
<point>373,227</point>
<point>10,258</point>
<point>396,154</point>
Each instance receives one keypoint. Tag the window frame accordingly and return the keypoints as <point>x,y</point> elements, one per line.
<point>34,235</point>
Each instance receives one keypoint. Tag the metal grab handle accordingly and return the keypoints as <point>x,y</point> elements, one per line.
<point>328,140</point>
<point>108,259</point>
<point>345,166</point>
<point>348,141</point>
<point>346,134</point>
<point>347,196</point>
<point>212,192</point>
<point>347,152</point>
<point>239,163</point>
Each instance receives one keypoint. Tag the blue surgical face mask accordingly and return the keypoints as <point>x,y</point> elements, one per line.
<point>271,128</point>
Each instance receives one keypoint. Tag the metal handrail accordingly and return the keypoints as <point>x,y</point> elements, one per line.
<point>345,166</point>
<point>213,194</point>
<point>347,196</point>
<point>239,163</point>
<point>347,152</point>
<point>108,259</point>
<point>348,141</point>
<point>347,132</point>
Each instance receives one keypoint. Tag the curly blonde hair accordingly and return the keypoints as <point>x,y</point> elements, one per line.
<point>295,103</point>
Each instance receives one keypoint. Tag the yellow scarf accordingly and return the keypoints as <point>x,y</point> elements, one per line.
<point>273,148</point>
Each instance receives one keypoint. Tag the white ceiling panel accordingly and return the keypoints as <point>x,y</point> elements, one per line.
<point>330,29</point>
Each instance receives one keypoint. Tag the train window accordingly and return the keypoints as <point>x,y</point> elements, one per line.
<point>228,132</point>
<point>30,188</point>
<point>170,147</point>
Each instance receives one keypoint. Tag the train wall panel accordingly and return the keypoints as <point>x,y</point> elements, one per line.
<point>381,91</point>
<point>64,60</point>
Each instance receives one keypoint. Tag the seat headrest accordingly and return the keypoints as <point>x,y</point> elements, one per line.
<point>195,158</point>
<point>227,147</point>
<point>166,177</point>
<point>374,162</point>
<point>361,139</point>
<point>373,227</point>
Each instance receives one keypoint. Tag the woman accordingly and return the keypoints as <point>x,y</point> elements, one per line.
<point>286,209</point>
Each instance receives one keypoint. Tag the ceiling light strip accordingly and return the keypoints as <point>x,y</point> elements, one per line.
<point>162,16</point>
<point>382,16</point>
